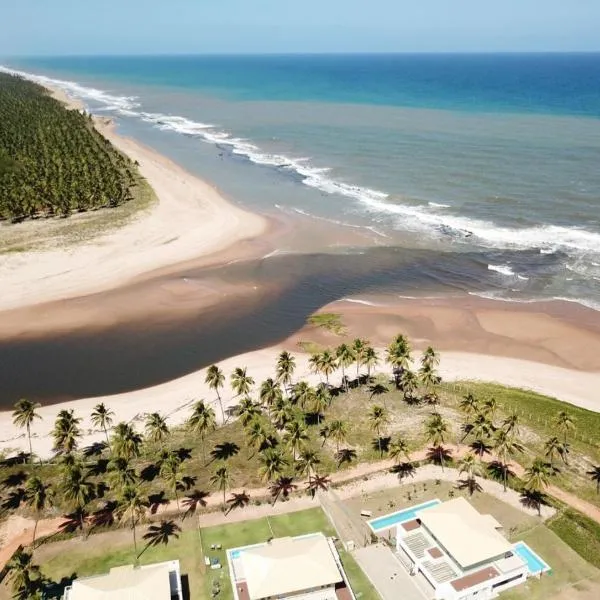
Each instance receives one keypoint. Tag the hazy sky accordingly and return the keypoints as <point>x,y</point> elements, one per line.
<point>38,27</point>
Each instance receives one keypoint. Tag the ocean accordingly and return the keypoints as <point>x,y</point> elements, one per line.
<point>494,157</point>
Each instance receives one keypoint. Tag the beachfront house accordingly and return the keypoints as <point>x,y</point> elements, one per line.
<point>461,553</point>
<point>158,581</point>
<point>306,566</point>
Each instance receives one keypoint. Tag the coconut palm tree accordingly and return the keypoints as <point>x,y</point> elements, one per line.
<point>272,463</point>
<point>77,490</point>
<point>511,424</point>
<point>201,421</point>
<point>370,360</point>
<point>398,449</point>
<point>302,394</point>
<point>270,391</point>
<point>281,413</point>
<point>295,437</point>
<point>469,405</point>
<point>216,379</point>
<point>221,480</point>
<point>66,432</point>
<point>327,364</point>
<point>286,365</point>
<point>379,419</point>
<point>102,417</point>
<point>359,348</point>
<point>257,435</point>
<point>156,428</point>
<point>24,414</point>
<point>398,356</point>
<point>126,442</point>
<point>594,474</point>
<point>537,476</point>
<point>565,424</point>
<point>159,534</point>
<point>131,509</point>
<point>241,382</point>
<point>307,462</point>
<point>408,383</point>
<point>337,430</point>
<point>320,401</point>
<point>554,447</point>
<point>23,574</point>
<point>121,473</point>
<point>170,471</point>
<point>239,500</point>
<point>471,466</point>
<point>430,357</point>
<point>489,408</point>
<point>247,410</point>
<point>38,497</point>
<point>436,430</point>
<point>345,357</point>
<point>505,448</point>
<point>282,487</point>
<point>318,483</point>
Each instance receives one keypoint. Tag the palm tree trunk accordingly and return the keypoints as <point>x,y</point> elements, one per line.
<point>30,447</point>
<point>81,522</point>
<point>37,519</point>
<point>504,474</point>
<point>134,537</point>
<point>224,502</point>
<point>221,405</point>
<point>107,440</point>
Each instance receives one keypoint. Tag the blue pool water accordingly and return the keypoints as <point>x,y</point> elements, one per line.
<point>534,563</point>
<point>400,516</point>
<point>235,553</point>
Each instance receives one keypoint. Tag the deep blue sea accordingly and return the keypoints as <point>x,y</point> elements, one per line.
<point>492,157</point>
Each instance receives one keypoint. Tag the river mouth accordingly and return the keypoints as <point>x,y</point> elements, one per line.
<point>168,332</point>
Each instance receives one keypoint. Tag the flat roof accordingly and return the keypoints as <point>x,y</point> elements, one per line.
<point>474,578</point>
<point>146,583</point>
<point>468,536</point>
<point>287,565</point>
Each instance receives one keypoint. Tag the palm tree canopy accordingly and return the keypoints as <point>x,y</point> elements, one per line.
<point>203,419</point>
<point>269,392</point>
<point>399,449</point>
<point>272,464</point>
<point>537,476</point>
<point>156,427</point>
<point>241,382</point>
<point>102,416</point>
<point>66,432</point>
<point>126,442</point>
<point>215,378</point>
<point>436,429</point>
<point>283,486</point>
<point>378,417</point>
<point>130,505</point>
<point>25,412</point>
<point>38,495</point>
<point>77,488</point>
<point>286,365</point>
<point>221,478</point>
<point>338,431</point>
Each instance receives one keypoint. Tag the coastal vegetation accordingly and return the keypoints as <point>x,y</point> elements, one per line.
<point>286,436</point>
<point>53,161</point>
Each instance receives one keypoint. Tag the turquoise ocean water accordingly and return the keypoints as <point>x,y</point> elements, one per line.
<point>492,158</point>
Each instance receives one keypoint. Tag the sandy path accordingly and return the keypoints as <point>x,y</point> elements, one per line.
<point>191,219</point>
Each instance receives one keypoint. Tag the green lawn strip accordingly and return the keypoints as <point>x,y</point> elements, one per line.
<point>568,568</point>
<point>359,582</point>
<point>580,533</point>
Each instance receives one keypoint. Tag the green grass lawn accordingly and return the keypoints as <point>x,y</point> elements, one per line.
<point>579,532</point>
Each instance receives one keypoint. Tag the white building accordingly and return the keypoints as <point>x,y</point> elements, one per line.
<point>301,567</point>
<point>159,581</point>
<point>460,552</point>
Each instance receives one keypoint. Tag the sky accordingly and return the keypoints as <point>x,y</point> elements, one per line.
<point>70,27</point>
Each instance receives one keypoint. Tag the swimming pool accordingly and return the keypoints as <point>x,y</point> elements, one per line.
<point>235,553</point>
<point>400,516</point>
<point>534,563</point>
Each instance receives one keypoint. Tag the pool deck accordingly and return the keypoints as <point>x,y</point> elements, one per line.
<point>404,515</point>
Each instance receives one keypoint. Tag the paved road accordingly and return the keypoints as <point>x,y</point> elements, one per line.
<point>389,577</point>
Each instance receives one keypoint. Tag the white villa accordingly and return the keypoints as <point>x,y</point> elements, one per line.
<point>159,581</point>
<point>303,567</point>
<point>461,553</point>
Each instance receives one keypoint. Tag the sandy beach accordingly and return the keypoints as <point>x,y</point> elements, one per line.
<point>191,219</point>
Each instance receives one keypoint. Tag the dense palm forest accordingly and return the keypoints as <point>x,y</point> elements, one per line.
<point>53,162</point>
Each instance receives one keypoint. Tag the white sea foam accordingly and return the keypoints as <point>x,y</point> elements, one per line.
<point>498,296</point>
<point>502,269</point>
<point>438,205</point>
<point>359,301</point>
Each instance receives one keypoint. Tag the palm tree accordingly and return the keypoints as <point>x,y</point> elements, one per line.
<point>370,360</point>
<point>537,476</point>
<point>409,383</point>
<point>283,486</point>
<point>489,408</point>
<point>398,356</point>
<point>435,430</point>
<point>469,404</point>
<point>241,382</point>
<point>565,424</point>
<point>470,465</point>
<point>247,410</point>
<point>239,500</point>
<point>505,448</point>
<point>398,449</point>
<point>257,436</point>
<point>221,480</point>
<point>359,349</point>
<point>201,421</point>
<point>216,379</point>
<point>286,365</point>
<point>78,490</point>
<point>126,442</point>
<point>38,497</point>
<point>345,357</point>
<point>170,471</point>
<point>511,424</point>
<point>338,431</point>
<point>318,483</point>
<point>269,392</point>
<point>430,357</point>
<point>131,507</point>
<point>320,401</point>
<point>295,437</point>
<point>377,389</point>
<point>281,413</point>
<point>302,394</point>
<point>308,460</point>
<point>156,428</point>
<point>160,534</point>
<point>102,417</point>
<point>122,474</point>
<point>66,432</point>
<point>327,364</point>
<point>379,420</point>
<point>594,474</point>
<point>552,447</point>
<point>272,463</point>
<point>24,575</point>
<point>23,416</point>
